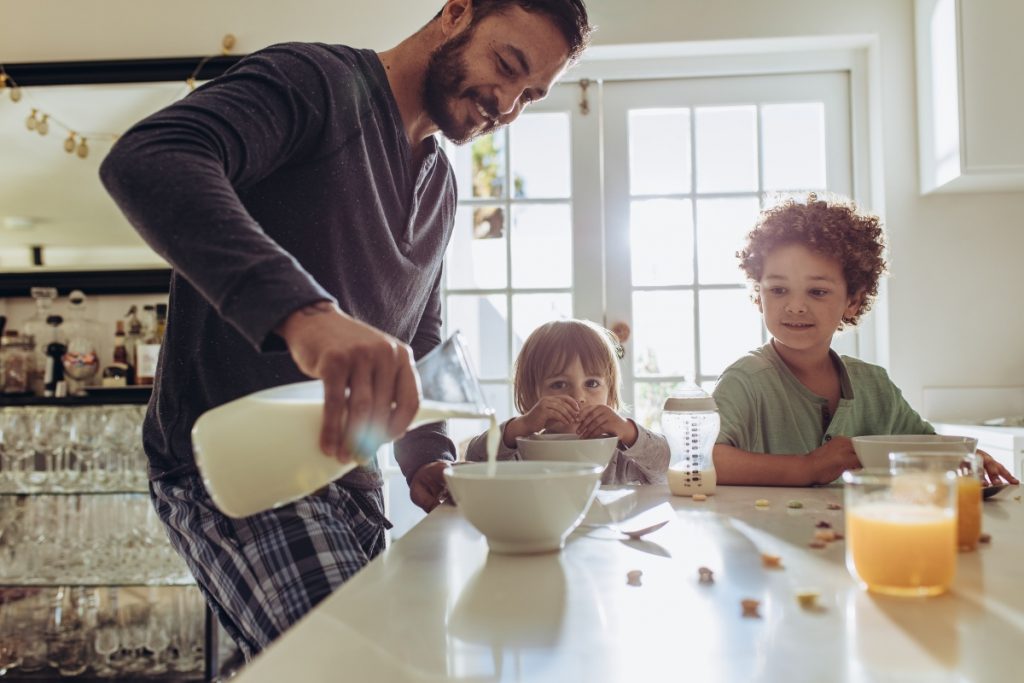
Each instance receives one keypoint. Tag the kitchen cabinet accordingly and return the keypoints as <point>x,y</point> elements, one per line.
<point>970,57</point>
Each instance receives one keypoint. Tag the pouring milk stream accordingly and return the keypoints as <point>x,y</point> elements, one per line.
<point>263,450</point>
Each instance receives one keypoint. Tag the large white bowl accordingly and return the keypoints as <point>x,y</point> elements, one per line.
<point>526,507</point>
<point>873,451</point>
<point>567,448</point>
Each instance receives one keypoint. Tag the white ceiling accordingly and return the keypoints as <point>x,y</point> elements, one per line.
<point>60,191</point>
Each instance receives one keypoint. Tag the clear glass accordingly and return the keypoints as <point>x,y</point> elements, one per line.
<point>730,326</point>
<point>726,149</point>
<point>542,245</point>
<point>661,242</point>
<point>901,531</point>
<point>539,145</point>
<point>968,471</point>
<point>663,342</point>
<point>659,151</point>
<point>478,246</point>
<point>793,142</point>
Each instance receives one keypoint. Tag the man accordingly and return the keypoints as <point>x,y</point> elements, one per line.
<point>305,208</point>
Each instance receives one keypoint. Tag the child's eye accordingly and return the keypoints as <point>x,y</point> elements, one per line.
<point>557,385</point>
<point>776,291</point>
<point>593,383</point>
<point>819,292</point>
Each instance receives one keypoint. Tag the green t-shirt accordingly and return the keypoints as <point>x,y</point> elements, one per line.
<point>765,409</point>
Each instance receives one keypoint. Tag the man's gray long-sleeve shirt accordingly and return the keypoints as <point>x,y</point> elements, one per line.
<point>287,180</point>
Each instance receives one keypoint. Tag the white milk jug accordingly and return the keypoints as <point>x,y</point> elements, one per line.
<point>263,450</point>
<point>690,422</point>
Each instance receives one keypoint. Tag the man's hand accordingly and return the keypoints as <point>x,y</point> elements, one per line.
<point>427,486</point>
<point>828,462</point>
<point>371,390</point>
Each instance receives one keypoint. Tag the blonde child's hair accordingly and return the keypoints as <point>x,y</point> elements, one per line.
<point>550,349</point>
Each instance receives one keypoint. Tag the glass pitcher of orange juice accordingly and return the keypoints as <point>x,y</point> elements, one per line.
<point>901,530</point>
<point>967,468</point>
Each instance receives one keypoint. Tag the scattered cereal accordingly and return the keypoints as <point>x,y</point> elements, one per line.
<point>817,544</point>
<point>985,538</point>
<point>633,577</point>
<point>826,535</point>
<point>795,504</point>
<point>823,525</point>
<point>750,608</point>
<point>771,561</point>
<point>763,503</point>
<point>838,536</point>
<point>834,506</point>
<point>699,497</point>
<point>808,599</point>
<point>706,575</point>
<point>1017,498</point>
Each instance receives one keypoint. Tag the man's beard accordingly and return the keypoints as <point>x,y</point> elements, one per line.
<point>442,88</point>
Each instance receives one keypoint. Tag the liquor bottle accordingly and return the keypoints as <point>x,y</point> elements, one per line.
<point>38,331</point>
<point>148,350</point>
<point>132,340</point>
<point>53,375</point>
<point>120,372</point>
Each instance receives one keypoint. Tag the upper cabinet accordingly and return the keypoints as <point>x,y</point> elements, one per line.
<point>970,94</point>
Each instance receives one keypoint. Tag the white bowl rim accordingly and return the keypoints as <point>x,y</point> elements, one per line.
<point>528,469</point>
<point>912,438</point>
<point>562,438</point>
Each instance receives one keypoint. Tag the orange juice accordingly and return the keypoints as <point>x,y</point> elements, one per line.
<point>901,549</point>
<point>968,512</point>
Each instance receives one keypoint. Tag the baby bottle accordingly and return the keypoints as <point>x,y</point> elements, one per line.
<point>690,422</point>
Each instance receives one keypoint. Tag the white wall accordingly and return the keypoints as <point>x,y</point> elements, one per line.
<point>954,318</point>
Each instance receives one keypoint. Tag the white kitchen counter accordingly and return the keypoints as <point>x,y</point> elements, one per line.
<point>437,607</point>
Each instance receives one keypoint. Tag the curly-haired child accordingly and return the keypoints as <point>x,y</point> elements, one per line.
<point>567,381</point>
<point>789,408</point>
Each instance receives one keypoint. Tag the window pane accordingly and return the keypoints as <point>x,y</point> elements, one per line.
<point>476,253</point>
<point>541,246</point>
<point>530,311</point>
<point>663,325</point>
<point>483,320</point>
<point>659,151</point>
<point>726,149</point>
<point>661,242</point>
<point>539,146</point>
<point>730,325</point>
<point>648,400</point>
<point>793,136</point>
<point>480,166</point>
<point>722,225</point>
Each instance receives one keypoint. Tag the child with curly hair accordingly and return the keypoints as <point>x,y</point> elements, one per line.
<point>789,408</point>
<point>567,382</point>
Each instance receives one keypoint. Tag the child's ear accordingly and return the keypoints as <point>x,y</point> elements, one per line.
<point>853,305</point>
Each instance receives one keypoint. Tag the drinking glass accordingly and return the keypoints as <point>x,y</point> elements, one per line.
<point>968,471</point>
<point>901,530</point>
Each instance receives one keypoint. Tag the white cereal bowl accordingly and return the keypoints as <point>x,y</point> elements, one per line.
<point>526,507</point>
<point>873,451</point>
<point>567,448</point>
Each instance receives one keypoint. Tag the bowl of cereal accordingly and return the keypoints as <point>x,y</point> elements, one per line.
<point>524,507</point>
<point>567,448</point>
<point>873,450</point>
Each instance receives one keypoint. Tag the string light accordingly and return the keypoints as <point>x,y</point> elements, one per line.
<point>76,143</point>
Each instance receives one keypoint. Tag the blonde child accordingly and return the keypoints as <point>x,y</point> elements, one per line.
<point>789,408</point>
<point>567,382</point>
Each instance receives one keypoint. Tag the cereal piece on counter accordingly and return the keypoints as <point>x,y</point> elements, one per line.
<point>808,598</point>
<point>771,561</point>
<point>985,538</point>
<point>1017,498</point>
<point>633,577</point>
<point>838,536</point>
<point>826,535</point>
<point>761,503</point>
<point>750,606</point>
<point>794,504</point>
<point>706,575</point>
<point>834,506</point>
<point>817,544</point>
<point>699,497</point>
<point>823,525</point>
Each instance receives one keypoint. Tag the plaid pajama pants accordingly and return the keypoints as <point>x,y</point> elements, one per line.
<point>262,573</point>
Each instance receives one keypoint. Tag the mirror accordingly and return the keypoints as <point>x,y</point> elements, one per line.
<point>54,213</point>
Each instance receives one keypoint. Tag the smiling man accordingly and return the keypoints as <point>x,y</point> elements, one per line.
<point>305,206</point>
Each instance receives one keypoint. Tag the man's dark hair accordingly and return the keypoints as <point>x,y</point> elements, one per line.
<point>570,16</point>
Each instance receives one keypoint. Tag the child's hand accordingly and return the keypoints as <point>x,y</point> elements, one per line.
<point>551,412</point>
<point>828,462</point>
<point>993,470</point>
<point>598,419</point>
